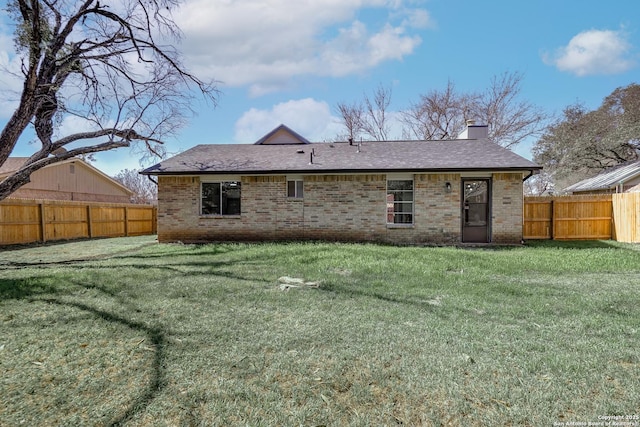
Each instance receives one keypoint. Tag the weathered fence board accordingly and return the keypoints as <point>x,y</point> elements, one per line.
<point>538,219</point>
<point>26,221</point>
<point>626,214</point>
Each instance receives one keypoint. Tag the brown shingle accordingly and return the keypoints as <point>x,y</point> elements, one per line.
<point>387,156</point>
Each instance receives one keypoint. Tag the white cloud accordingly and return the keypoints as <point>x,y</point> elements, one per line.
<point>10,81</point>
<point>594,52</point>
<point>264,44</point>
<point>74,124</point>
<point>310,118</point>
<point>418,18</point>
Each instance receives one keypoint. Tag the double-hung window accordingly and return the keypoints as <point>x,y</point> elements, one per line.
<point>295,189</point>
<point>220,198</point>
<point>400,201</point>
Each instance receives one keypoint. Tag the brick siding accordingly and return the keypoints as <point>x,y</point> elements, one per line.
<point>334,207</point>
<point>507,208</point>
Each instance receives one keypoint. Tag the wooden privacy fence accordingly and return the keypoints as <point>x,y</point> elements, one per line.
<point>583,217</point>
<point>27,221</point>
<point>626,217</point>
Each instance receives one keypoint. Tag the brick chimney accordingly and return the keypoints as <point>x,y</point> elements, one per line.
<point>474,131</point>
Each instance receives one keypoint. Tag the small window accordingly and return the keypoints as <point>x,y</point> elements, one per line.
<point>400,201</point>
<point>295,189</point>
<point>221,198</point>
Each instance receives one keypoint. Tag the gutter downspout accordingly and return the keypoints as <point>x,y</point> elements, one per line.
<point>152,180</point>
<point>528,176</point>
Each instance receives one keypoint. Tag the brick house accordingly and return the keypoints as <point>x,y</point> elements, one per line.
<point>283,187</point>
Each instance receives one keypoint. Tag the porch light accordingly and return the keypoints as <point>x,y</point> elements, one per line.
<point>447,187</point>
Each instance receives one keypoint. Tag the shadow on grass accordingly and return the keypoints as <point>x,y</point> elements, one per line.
<point>37,291</point>
<point>49,243</point>
<point>24,288</point>
<point>156,338</point>
<point>421,303</point>
<point>30,287</point>
<point>575,244</point>
<point>61,287</point>
<point>71,251</point>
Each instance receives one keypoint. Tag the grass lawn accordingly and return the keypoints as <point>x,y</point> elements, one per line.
<point>128,332</point>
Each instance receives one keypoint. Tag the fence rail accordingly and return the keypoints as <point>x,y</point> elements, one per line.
<point>611,216</point>
<point>27,221</point>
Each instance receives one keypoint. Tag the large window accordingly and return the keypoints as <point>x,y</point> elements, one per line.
<point>294,189</point>
<point>221,198</point>
<point>400,201</point>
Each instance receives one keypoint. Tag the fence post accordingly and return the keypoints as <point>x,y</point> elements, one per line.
<point>552,221</point>
<point>43,224</point>
<point>89,222</point>
<point>126,221</point>
<point>154,220</point>
<point>612,234</point>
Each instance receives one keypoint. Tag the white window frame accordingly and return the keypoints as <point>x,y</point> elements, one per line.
<point>391,213</point>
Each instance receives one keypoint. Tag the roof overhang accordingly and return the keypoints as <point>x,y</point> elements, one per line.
<point>533,170</point>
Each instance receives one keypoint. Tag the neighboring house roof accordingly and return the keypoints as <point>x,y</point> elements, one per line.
<point>366,157</point>
<point>12,164</point>
<point>609,179</point>
<point>282,135</point>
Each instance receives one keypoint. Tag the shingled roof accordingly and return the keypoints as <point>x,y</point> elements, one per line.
<point>342,157</point>
<point>12,164</point>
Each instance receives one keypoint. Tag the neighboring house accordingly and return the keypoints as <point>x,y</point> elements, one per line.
<point>72,179</point>
<point>622,178</point>
<point>400,192</point>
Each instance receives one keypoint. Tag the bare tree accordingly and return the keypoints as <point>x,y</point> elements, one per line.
<point>510,119</point>
<point>110,65</point>
<point>369,118</point>
<point>539,185</point>
<point>375,122</point>
<point>443,114</point>
<point>145,191</point>
<point>352,117</point>
<point>438,114</point>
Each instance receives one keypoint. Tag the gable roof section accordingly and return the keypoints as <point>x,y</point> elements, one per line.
<point>282,135</point>
<point>369,157</point>
<point>608,179</point>
<point>12,164</point>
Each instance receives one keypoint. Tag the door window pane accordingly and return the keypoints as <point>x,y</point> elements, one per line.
<point>476,191</point>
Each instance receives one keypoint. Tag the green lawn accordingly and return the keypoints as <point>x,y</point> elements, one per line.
<point>129,332</point>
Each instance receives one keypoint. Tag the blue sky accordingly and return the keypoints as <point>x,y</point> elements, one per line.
<point>280,61</point>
